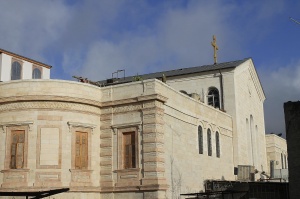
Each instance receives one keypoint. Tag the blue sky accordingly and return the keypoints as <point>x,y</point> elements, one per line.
<point>95,38</point>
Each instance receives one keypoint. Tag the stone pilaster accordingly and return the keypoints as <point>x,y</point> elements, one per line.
<point>153,145</point>
<point>106,178</point>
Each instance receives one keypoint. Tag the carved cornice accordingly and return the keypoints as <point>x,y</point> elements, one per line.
<point>30,98</point>
<point>78,124</point>
<point>127,125</point>
<point>49,105</point>
<point>131,107</point>
<point>142,98</point>
<point>17,123</point>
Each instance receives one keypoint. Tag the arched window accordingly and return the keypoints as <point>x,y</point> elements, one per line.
<point>16,70</point>
<point>285,161</point>
<point>217,144</point>
<point>282,164</point>
<point>200,139</point>
<point>253,141</point>
<point>213,97</point>
<point>36,73</point>
<point>209,147</point>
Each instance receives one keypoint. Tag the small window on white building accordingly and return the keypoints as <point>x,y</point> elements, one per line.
<point>209,146</point>
<point>36,73</point>
<point>213,97</point>
<point>217,144</point>
<point>16,70</point>
<point>200,139</point>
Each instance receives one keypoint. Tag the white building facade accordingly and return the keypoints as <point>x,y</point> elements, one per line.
<point>17,67</point>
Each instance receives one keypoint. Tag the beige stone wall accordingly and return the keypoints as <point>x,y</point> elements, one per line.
<point>243,98</point>
<point>276,150</point>
<point>186,169</point>
<point>249,108</point>
<point>55,109</point>
<point>164,120</point>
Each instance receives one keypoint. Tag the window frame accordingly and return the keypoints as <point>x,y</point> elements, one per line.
<point>282,161</point>
<point>121,158</point>
<point>17,142</point>
<point>209,143</point>
<point>9,132</point>
<point>38,68</point>
<point>128,148</point>
<point>218,149</point>
<point>213,96</point>
<point>13,60</point>
<point>285,161</point>
<point>200,139</point>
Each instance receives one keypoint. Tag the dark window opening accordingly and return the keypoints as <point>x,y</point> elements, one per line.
<point>16,69</point>
<point>213,97</point>
<point>36,74</point>
<point>200,139</point>
<point>217,144</point>
<point>209,146</point>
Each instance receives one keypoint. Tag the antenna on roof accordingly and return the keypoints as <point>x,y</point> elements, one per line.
<point>117,72</point>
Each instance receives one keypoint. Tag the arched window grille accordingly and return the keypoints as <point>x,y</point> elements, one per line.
<point>36,73</point>
<point>16,69</point>
<point>217,144</point>
<point>209,146</point>
<point>200,139</point>
<point>213,97</point>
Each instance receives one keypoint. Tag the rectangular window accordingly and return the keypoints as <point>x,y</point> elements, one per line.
<point>17,149</point>
<point>129,157</point>
<point>81,150</point>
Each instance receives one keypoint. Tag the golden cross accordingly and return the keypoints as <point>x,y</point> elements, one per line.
<point>214,44</point>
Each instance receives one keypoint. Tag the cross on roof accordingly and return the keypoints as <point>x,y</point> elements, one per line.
<point>214,44</point>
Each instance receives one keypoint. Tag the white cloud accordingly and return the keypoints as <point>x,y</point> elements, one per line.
<point>280,85</point>
<point>95,38</point>
<point>27,28</point>
<point>178,38</point>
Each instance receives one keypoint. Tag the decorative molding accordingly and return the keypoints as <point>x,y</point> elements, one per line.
<point>49,98</point>
<point>125,125</point>
<point>17,123</point>
<point>50,105</point>
<point>142,98</point>
<point>78,124</point>
<point>153,97</point>
<point>132,107</point>
<point>14,170</point>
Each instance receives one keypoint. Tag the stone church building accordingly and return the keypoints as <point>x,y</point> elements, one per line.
<point>158,137</point>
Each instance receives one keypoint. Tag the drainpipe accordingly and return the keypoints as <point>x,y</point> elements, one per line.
<point>221,89</point>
